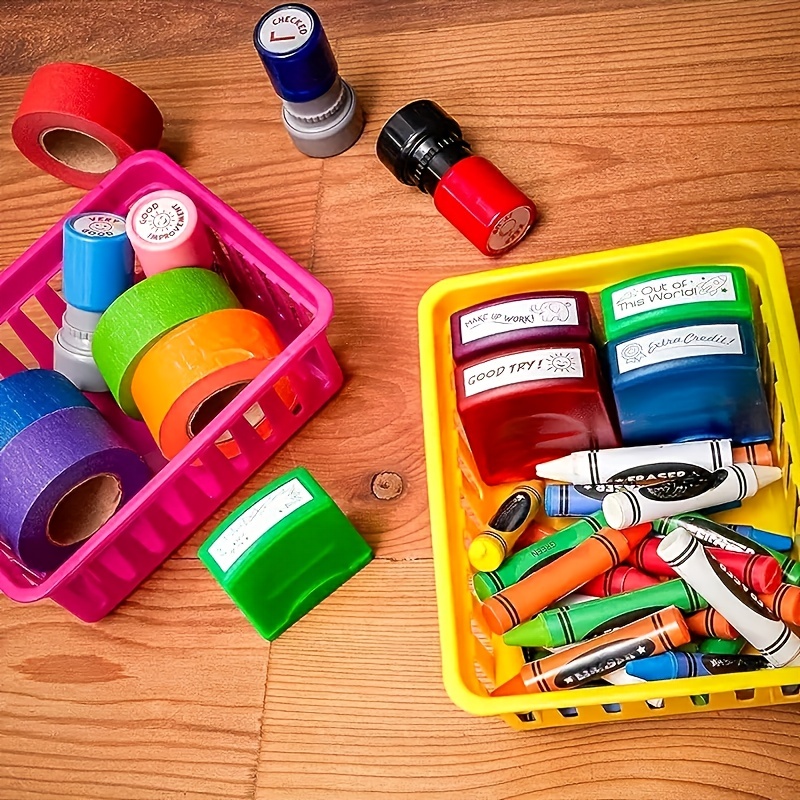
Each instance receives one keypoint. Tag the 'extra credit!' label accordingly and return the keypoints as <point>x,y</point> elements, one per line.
<point>103,226</point>
<point>515,315</point>
<point>285,29</point>
<point>687,342</point>
<point>702,287</point>
<point>258,520</point>
<point>161,221</point>
<point>536,365</point>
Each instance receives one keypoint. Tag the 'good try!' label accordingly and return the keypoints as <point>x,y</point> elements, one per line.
<point>264,515</point>
<point>693,340</point>
<point>705,287</point>
<point>516,315</point>
<point>537,365</point>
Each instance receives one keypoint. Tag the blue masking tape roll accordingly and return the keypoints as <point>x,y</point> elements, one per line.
<point>98,260</point>
<point>32,394</point>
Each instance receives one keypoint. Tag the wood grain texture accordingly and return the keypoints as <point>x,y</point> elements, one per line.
<point>627,121</point>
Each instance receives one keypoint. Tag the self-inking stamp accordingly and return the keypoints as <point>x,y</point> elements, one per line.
<point>423,146</point>
<point>320,109</point>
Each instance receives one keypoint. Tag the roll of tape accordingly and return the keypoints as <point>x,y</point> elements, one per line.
<point>194,371</point>
<point>98,261</point>
<point>61,480</point>
<point>135,321</point>
<point>78,122</point>
<point>166,233</point>
<point>30,395</point>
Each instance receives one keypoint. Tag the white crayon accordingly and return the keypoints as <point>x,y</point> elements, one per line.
<point>736,602</point>
<point>632,505</point>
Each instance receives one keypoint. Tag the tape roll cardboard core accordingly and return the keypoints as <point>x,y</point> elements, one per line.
<point>78,150</point>
<point>84,509</point>
<point>205,413</point>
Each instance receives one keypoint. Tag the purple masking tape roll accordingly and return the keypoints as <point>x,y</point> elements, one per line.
<point>61,479</point>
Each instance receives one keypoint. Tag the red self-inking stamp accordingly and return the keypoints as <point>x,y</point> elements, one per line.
<point>423,146</point>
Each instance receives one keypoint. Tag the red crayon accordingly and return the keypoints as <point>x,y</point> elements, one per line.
<point>761,573</point>
<point>618,580</point>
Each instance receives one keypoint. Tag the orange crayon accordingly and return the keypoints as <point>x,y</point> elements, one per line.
<point>519,602</point>
<point>582,663</point>
<point>709,623</point>
<point>784,603</point>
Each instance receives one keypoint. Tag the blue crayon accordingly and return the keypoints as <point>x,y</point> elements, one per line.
<point>676,664</point>
<point>568,500</point>
<point>774,541</point>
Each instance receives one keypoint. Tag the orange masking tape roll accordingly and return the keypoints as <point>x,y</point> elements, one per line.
<point>193,372</point>
<point>78,122</point>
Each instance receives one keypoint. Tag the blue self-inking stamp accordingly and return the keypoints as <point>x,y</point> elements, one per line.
<point>320,109</point>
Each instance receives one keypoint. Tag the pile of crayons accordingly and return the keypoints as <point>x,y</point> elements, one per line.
<point>618,595</point>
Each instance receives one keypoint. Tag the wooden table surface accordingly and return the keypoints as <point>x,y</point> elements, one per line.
<point>628,121</point>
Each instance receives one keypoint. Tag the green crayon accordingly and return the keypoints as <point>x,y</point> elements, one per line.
<point>714,534</point>
<point>689,647</point>
<point>562,626</point>
<point>722,647</point>
<point>535,556</point>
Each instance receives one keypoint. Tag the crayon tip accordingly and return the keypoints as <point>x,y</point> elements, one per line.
<point>532,633</point>
<point>515,686</point>
<point>617,510</point>
<point>559,469</point>
<point>766,475</point>
<point>495,623</point>
<point>654,668</point>
<point>485,554</point>
<point>483,586</point>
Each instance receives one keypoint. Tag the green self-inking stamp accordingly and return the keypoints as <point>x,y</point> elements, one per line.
<point>283,551</point>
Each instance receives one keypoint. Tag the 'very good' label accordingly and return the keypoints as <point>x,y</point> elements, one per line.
<point>705,287</point>
<point>261,517</point>
<point>693,340</point>
<point>537,365</point>
<point>99,225</point>
<point>516,315</point>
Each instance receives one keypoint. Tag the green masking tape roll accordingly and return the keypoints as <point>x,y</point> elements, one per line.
<point>137,319</point>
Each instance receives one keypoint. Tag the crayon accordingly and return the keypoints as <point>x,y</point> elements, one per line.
<point>722,647</point>
<point>489,549</point>
<point>621,678</point>
<point>715,534</point>
<point>784,603</point>
<point>711,624</point>
<point>584,662</point>
<point>534,533</point>
<point>618,580</point>
<point>630,506</point>
<point>566,500</point>
<point>735,601</point>
<point>527,561</point>
<point>760,573</point>
<point>775,541</point>
<point>690,647</point>
<point>533,594</point>
<point>651,463</point>
<point>560,626</point>
<point>670,665</point>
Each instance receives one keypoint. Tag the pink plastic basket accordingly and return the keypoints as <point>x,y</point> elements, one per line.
<point>188,489</point>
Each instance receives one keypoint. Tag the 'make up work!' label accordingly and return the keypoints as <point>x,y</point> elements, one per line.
<point>536,365</point>
<point>693,340</point>
<point>518,314</point>
<point>702,287</point>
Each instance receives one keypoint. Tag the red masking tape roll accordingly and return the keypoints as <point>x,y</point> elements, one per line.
<point>78,122</point>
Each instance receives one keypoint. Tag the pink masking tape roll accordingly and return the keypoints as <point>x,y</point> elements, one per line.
<point>165,232</point>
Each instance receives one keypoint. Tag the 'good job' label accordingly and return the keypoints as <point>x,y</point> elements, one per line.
<point>705,287</point>
<point>537,365</point>
<point>516,315</point>
<point>693,340</point>
<point>261,517</point>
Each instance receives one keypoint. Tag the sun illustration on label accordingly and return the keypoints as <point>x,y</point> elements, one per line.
<point>560,362</point>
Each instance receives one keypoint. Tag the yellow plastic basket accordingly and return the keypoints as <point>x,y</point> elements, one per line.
<point>472,658</point>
